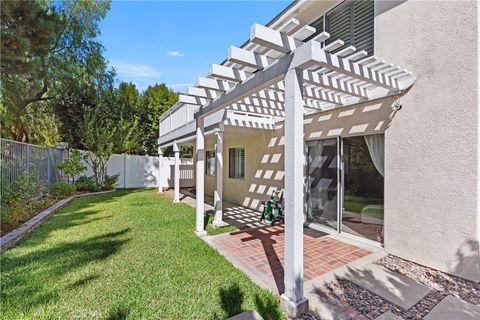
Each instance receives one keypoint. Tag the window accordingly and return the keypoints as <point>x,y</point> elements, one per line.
<point>351,21</point>
<point>236,161</point>
<point>210,165</point>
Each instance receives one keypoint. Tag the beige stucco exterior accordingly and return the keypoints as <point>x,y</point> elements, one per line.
<point>431,159</point>
<point>431,144</point>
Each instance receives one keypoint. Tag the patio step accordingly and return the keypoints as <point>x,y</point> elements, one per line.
<point>389,315</point>
<point>454,308</point>
<point>389,285</point>
<point>247,315</point>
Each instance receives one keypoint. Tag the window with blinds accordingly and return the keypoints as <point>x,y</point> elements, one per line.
<point>351,21</point>
<point>210,163</point>
<point>236,157</point>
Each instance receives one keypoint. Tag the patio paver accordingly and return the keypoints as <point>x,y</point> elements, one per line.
<point>260,253</point>
<point>454,308</point>
<point>389,285</point>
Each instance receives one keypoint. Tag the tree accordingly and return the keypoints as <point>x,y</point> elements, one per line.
<point>154,102</point>
<point>104,134</point>
<point>73,166</point>
<point>43,43</point>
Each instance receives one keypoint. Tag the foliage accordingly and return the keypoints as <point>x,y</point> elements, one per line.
<point>102,135</point>
<point>84,183</point>
<point>74,165</point>
<point>15,214</point>
<point>110,181</point>
<point>18,203</point>
<point>43,44</point>
<point>21,190</point>
<point>154,102</point>
<point>112,249</point>
<point>62,190</point>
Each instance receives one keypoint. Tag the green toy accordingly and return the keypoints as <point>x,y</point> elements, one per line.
<point>273,209</point>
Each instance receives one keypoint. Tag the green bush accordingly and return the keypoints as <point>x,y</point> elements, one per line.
<point>62,190</point>
<point>86,184</point>
<point>21,190</point>
<point>73,166</point>
<point>110,181</point>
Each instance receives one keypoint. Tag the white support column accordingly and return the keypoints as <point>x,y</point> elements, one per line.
<point>160,170</point>
<point>200,176</point>
<point>218,193</point>
<point>292,299</point>
<point>176,179</point>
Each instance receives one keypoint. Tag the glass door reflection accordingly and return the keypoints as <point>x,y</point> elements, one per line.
<point>322,182</point>
<point>363,162</point>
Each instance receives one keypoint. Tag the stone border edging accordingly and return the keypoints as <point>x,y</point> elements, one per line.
<point>14,236</point>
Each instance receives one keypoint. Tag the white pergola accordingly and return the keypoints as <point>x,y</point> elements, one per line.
<point>278,74</point>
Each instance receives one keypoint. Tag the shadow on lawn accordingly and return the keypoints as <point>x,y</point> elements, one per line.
<point>232,299</point>
<point>29,275</point>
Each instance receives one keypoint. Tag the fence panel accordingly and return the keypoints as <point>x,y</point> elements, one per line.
<point>143,171</point>
<point>18,159</point>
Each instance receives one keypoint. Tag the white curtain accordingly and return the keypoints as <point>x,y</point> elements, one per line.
<point>376,148</point>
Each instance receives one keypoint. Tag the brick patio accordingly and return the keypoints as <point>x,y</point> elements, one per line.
<point>260,253</point>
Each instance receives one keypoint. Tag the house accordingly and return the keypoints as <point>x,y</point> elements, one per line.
<point>364,112</point>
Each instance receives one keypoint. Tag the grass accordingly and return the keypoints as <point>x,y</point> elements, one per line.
<point>125,255</point>
<point>356,204</point>
<point>211,231</point>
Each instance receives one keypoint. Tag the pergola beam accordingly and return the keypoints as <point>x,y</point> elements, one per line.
<point>247,58</point>
<point>272,39</point>
<point>213,84</point>
<point>182,98</point>
<point>227,73</point>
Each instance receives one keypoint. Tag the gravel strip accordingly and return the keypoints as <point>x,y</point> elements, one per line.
<point>466,290</point>
<point>372,306</point>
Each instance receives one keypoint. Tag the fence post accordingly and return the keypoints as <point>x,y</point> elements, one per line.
<point>124,171</point>
<point>49,162</point>
<point>27,158</point>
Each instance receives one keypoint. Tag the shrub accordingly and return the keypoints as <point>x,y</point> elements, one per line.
<point>87,184</point>
<point>13,214</point>
<point>21,190</point>
<point>110,181</point>
<point>73,166</point>
<point>62,190</point>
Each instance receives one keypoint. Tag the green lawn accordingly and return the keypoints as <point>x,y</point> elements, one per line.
<point>126,255</point>
<point>357,204</point>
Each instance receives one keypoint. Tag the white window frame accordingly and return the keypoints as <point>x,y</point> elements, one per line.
<point>238,173</point>
<point>210,167</point>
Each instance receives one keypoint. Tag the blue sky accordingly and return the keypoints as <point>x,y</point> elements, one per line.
<point>174,42</point>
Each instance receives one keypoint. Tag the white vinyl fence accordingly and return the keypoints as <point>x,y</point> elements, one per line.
<point>142,171</point>
<point>18,159</point>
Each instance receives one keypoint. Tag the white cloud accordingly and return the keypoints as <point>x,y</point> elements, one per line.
<point>175,54</point>
<point>134,70</point>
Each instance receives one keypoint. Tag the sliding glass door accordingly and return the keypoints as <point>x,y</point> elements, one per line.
<point>322,199</point>
<point>345,183</point>
<point>363,162</point>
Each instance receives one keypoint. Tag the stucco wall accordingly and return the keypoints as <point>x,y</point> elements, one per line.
<point>431,147</point>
